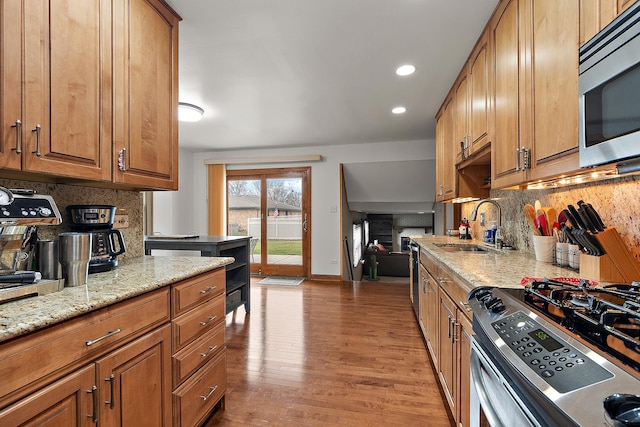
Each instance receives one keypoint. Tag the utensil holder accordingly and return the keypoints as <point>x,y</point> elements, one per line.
<point>616,265</point>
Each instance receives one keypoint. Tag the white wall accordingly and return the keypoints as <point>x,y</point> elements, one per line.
<point>185,211</point>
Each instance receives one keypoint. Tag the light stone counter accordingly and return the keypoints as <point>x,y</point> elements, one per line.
<point>131,278</point>
<point>504,268</point>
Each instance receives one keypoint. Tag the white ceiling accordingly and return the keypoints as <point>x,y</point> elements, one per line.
<point>290,73</point>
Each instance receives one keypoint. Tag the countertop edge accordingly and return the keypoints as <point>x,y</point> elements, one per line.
<point>133,277</point>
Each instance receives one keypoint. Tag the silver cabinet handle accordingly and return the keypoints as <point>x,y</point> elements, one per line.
<point>112,387</point>
<point>37,131</point>
<point>449,327</point>
<point>210,288</point>
<point>107,335</point>
<point>466,305</point>
<point>211,350</point>
<point>121,157</point>
<point>94,395</point>
<point>456,328</point>
<point>209,320</point>
<point>18,127</point>
<point>517,159</point>
<point>211,391</point>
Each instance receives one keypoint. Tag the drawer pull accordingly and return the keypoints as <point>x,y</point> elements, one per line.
<point>112,388</point>
<point>211,391</point>
<point>466,305</point>
<point>37,130</point>
<point>210,288</point>
<point>211,350</point>
<point>94,395</point>
<point>209,320</point>
<point>107,335</point>
<point>18,127</point>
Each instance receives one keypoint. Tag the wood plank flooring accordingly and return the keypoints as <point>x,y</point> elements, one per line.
<point>325,354</point>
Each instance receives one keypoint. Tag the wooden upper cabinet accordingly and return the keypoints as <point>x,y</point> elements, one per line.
<point>554,87</point>
<point>445,153</point>
<point>478,87</point>
<point>597,14</point>
<point>62,49</point>
<point>146,94</point>
<point>460,141</point>
<point>505,151</point>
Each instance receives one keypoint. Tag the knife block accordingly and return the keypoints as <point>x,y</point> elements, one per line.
<point>616,265</point>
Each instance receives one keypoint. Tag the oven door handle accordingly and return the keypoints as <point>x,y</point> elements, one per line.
<point>478,381</point>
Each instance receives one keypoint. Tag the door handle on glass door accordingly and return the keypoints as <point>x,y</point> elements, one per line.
<point>305,223</point>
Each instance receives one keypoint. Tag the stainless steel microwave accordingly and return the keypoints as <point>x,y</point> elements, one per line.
<point>609,87</point>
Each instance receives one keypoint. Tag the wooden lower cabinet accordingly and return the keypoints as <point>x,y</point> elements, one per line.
<point>67,402</point>
<point>137,376</point>
<point>199,353</point>
<point>446,325</point>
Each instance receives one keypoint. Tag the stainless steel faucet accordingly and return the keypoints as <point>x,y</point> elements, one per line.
<point>474,213</point>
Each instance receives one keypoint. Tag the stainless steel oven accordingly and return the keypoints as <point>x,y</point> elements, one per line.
<point>528,370</point>
<point>609,85</point>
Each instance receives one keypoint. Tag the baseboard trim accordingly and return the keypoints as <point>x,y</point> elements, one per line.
<point>325,278</point>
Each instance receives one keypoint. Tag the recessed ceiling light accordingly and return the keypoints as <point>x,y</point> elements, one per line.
<point>189,112</point>
<point>405,70</point>
<point>398,110</point>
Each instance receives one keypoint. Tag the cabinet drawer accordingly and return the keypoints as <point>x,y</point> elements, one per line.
<point>192,292</point>
<point>32,357</point>
<point>455,290</point>
<point>195,399</point>
<point>197,321</point>
<point>194,355</point>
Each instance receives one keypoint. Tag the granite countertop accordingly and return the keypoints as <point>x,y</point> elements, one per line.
<point>131,278</point>
<point>502,268</point>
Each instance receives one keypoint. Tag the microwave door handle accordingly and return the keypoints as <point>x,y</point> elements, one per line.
<point>485,402</point>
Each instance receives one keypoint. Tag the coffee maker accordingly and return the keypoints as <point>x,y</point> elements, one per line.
<point>106,242</point>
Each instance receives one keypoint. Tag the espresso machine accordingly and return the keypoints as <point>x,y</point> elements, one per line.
<point>106,242</point>
<point>21,211</point>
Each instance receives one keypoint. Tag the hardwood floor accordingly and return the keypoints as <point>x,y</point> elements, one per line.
<point>322,354</point>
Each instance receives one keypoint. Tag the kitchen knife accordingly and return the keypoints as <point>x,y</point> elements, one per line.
<point>596,215</point>
<point>586,220</point>
<point>569,216</point>
<point>575,218</point>
<point>567,231</point>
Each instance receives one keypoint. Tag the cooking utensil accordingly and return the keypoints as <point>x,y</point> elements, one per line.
<point>542,222</point>
<point>530,215</point>
<point>537,205</point>
<point>551,219</point>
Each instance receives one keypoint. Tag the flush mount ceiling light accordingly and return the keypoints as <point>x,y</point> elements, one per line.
<point>189,112</point>
<point>405,70</point>
<point>399,110</point>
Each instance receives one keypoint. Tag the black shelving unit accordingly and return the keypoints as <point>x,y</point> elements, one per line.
<point>381,229</point>
<point>238,272</point>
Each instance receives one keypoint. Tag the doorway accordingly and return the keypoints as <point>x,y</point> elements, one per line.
<point>273,207</point>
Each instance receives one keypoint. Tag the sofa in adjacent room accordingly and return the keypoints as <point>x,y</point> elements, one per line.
<point>389,263</point>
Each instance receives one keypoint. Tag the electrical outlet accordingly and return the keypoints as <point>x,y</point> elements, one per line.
<point>482,219</point>
<point>333,261</point>
<point>121,221</point>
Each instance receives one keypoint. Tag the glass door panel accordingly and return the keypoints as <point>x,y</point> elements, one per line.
<point>244,212</point>
<point>284,221</point>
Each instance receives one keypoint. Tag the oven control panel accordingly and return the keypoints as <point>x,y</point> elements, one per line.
<point>562,366</point>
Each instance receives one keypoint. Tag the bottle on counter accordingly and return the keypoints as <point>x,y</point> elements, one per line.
<point>464,230</point>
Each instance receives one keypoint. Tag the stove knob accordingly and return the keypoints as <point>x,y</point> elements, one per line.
<point>483,294</point>
<point>44,211</point>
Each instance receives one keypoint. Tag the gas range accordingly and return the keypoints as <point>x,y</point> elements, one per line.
<point>563,348</point>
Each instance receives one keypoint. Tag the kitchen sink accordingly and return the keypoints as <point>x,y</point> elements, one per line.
<point>461,247</point>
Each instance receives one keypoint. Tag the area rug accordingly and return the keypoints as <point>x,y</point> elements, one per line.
<point>278,280</point>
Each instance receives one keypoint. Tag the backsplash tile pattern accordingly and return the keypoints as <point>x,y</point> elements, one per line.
<point>64,195</point>
<point>617,201</point>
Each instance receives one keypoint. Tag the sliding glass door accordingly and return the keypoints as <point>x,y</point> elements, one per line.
<point>272,206</point>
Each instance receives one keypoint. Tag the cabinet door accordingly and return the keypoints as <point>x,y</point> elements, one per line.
<point>432,317</point>
<point>506,168</point>
<point>67,88</point>
<point>10,84</point>
<point>445,155</point>
<point>146,86</point>
<point>555,87</point>
<point>447,357</point>
<point>479,96</point>
<point>464,345</point>
<point>460,116</point>
<point>67,402</point>
<point>135,382</point>
<point>423,312</point>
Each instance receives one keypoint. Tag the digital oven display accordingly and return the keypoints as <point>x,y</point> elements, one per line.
<point>545,340</point>
<point>90,216</point>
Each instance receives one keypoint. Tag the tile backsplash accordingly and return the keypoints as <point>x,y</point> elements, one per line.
<point>130,202</point>
<point>617,201</point>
